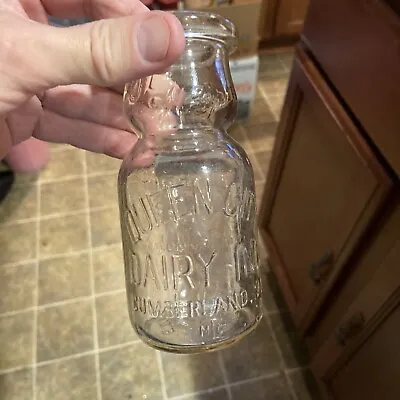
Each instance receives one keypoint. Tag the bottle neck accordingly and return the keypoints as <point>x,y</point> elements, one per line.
<point>195,95</point>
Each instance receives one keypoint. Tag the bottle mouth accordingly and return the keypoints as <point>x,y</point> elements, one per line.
<point>209,26</point>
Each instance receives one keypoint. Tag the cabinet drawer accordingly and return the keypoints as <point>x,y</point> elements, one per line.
<point>368,273</point>
<point>324,187</point>
<point>364,347</point>
<point>357,44</point>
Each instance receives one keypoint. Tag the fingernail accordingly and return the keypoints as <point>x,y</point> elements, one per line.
<point>153,38</point>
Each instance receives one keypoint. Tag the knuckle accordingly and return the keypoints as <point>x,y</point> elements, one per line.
<point>101,53</point>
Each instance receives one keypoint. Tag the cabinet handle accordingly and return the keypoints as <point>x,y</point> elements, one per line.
<point>317,272</point>
<point>350,328</point>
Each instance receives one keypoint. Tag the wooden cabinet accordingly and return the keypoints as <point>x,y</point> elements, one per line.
<point>325,185</point>
<point>330,213</point>
<point>290,17</point>
<point>282,20</point>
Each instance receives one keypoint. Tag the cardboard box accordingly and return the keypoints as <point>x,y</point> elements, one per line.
<point>245,16</point>
<point>244,73</point>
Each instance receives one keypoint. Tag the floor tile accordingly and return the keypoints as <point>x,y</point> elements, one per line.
<point>20,203</point>
<point>271,66</point>
<point>102,163</point>
<point>246,145</point>
<point>260,113</point>
<point>304,385</point>
<point>108,266</point>
<point>17,285</point>
<point>13,250</point>
<point>113,323</point>
<point>258,175</point>
<point>16,385</point>
<point>236,132</point>
<point>220,394</point>
<point>273,87</point>
<point>287,59</point>
<point>253,356</point>
<point>191,373</point>
<point>63,234</point>
<point>64,278</point>
<point>273,297</point>
<point>23,179</point>
<point>105,227</point>
<point>262,251</point>
<point>276,103</point>
<point>259,192</point>
<point>130,373</point>
<point>275,388</point>
<point>64,164</point>
<point>62,197</point>
<point>16,340</point>
<point>103,191</point>
<point>64,330</point>
<point>264,159</point>
<point>262,137</point>
<point>293,351</point>
<point>67,380</point>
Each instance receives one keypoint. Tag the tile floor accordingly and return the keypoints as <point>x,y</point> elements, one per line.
<point>64,328</point>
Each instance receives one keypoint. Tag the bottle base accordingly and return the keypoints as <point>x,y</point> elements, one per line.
<point>197,348</point>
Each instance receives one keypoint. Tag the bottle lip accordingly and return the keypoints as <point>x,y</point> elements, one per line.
<point>210,26</point>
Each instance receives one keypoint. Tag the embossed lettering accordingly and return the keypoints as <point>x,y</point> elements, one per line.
<point>160,205</point>
<point>247,206</point>
<point>206,266</point>
<point>140,216</point>
<point>194,308</point>
<point>211,330</point>
<point>181,203</point>
<point>164,271</point>
<point>132,228</point>
<point>150,272</point>
<point>232,200</point>
<point>154,308</point>
<point>202,200</point>
<point>244,298</point>
<point>134,269</point>
<point>168,311</point>
<point>152,210</point>
<point>182,268</point>
<point>191,308</point>
<point>242,261</point>
<point>220,305</point>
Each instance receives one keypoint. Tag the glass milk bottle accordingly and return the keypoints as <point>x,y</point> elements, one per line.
<point>187,201</point>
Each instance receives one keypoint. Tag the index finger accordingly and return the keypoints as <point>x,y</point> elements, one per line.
<point>94,9</point>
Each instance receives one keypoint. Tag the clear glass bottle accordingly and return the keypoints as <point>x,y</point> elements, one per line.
<point>187,201</point>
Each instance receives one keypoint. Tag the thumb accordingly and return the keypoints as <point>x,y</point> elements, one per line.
<point>106,52</point>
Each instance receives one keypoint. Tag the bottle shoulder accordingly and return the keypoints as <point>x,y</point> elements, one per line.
<point>217,153</point>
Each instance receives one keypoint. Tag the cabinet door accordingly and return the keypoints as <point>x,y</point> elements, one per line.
<point>324,187</point>
<point>290,15</point>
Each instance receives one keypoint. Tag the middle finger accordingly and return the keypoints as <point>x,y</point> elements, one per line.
<point>95,9</point>
<point>88,103</point>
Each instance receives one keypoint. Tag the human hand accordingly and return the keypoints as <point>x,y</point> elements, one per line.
<point>55,82</point>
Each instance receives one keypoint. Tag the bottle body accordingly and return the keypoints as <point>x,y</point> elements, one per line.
<point>187,203</point>
<point>190,249</point>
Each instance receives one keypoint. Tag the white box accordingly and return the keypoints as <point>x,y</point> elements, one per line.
<point>244,73</point>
